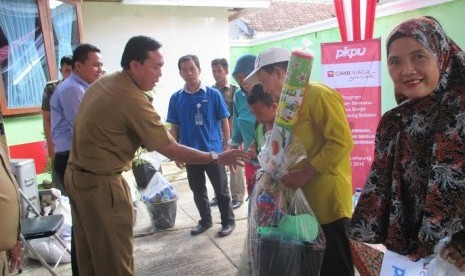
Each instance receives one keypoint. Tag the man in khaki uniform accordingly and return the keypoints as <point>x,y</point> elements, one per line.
<point>10,246</point>
<point>115,118</point>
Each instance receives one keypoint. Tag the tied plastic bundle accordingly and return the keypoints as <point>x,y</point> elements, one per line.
<point>160,199</point>
<point>159,190</point>
<point>284,236</point>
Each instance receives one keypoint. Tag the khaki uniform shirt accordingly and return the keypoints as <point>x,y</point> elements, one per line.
<point>228,95</point>
<point>9,199</point>
<point>115,117</point>
<point>48,92</point>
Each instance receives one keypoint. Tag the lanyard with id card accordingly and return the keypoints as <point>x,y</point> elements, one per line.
<point>198,116</point>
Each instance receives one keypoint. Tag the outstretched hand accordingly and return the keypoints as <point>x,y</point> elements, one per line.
<point>180,164</point>
<point>233,157</point>
<point>454,256</point>
<point>15,257</point>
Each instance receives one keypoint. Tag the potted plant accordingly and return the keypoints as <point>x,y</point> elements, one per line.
<point>143,170</point>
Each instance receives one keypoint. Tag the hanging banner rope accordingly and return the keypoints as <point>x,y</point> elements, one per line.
<point>356,18</point>
<point>341,19</point>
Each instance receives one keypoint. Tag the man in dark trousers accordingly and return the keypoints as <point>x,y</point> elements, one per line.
<point>87,67</point>
<point>66,64</point>
<point>115,118</point>
<point>199,119</point>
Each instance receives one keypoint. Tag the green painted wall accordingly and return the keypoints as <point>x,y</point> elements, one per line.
<point>449,14</point>
<point>24,129</point>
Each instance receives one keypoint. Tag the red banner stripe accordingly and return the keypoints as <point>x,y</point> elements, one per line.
<point>370,19</point>
<point>349,18</point>
<point>341,19</point>
<point>356,20</point>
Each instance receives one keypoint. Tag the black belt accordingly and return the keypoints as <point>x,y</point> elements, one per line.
<point>62,153</point>
<point>79,169</point>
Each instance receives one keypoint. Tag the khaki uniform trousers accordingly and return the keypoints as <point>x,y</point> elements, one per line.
<point>102,213</point>
<point>237,183</point>
<point>3,264</point>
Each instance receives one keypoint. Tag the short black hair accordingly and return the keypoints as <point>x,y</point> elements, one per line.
<point>270,67</point>
<point>80,54</point>
<point>66,60</point>
<point>221,61</point>
<point>136,49</point>
<point>258,94</point>
<point>194,58</point>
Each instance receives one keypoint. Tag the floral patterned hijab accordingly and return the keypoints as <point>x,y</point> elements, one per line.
<point>415,192</point>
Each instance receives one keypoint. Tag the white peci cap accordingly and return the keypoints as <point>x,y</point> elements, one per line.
<point>267,57</point>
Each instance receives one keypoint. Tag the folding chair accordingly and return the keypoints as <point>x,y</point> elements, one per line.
<point>41,227</point>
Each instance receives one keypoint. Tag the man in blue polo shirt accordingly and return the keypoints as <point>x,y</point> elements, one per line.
<point>199,118</point>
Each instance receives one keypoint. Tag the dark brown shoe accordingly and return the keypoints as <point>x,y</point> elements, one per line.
<point>199,229</point>
<point>226,230</point>
<point>213,202</point>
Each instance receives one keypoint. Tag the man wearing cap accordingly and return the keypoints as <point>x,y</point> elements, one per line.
<point>244,121</point>
<point>325,175</point>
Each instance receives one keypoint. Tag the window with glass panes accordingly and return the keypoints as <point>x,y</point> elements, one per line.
<point>34,35</point>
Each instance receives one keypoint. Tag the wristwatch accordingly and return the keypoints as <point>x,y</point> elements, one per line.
<point>214,157</point>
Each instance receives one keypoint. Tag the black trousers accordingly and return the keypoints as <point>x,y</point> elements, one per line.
<point>59,166</point>
<point>338,256</point>
<point>219,180</point>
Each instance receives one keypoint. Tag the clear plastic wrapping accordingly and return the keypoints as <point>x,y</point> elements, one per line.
<point>160,198</point>
<point>284,236</point>
<point>439,266</point>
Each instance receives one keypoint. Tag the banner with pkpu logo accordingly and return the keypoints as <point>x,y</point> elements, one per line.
<point>354,70</point>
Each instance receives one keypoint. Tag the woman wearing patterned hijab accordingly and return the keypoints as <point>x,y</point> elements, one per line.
<point>414,195</point>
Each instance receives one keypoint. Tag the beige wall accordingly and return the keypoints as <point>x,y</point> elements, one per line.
<point>182,30</point>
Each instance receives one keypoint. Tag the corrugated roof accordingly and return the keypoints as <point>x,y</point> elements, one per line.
<point>282,15</point>
<point>287,14</point>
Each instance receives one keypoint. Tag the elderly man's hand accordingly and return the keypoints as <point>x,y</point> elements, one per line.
<point>15,257</point>
<point>298,178</point>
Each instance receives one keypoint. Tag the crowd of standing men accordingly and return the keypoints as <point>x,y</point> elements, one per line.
<point>91,154</point>
<point>94,142</point>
